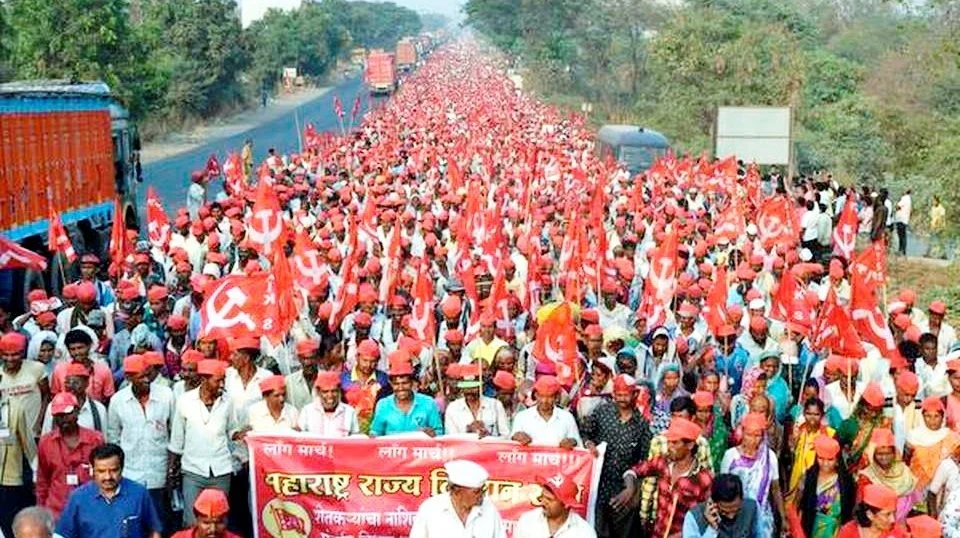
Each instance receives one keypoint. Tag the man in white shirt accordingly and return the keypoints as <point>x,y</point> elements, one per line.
<point>272,414</point>
<point>93,414</point>
<point>901,220</point>
<point>140,416</point>
<point>546,424</point>
<point>463,510</point>
<point>555,518</point>
<point>203,424</point>
<point>327,415</point>
<point>473,412</point>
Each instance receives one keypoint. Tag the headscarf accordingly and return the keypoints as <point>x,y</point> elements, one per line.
<point>898,477</point>
<point>36,342</point>
<point>921,435</point>
<point>750,379</point>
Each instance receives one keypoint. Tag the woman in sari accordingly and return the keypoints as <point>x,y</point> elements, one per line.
<point>668,385</point>
<point>802,441</point>
<point>812,388</point>
<point>854,433</point>
<point>758,469</point>
<point>826,496</point>
<point>930,442</point>
<point>944,498</point>
<point>754,382</point>
<point>714,429</point>
<point>777,388</point>
<point>887,469</point>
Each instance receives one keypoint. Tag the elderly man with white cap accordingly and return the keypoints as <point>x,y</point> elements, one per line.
<point>463,510</point>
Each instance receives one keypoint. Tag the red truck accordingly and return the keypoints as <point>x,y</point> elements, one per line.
<point>66,148</point>
<point>406,54</point>
<point>381,73</point>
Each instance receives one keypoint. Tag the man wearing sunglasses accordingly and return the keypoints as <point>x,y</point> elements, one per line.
<point>463,510</point>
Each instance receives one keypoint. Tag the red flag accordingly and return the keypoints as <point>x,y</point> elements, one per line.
<point>347,295</point>
<point>421,315</point>
<point>784,297</point>
<point>775,221</point>
<point>236,307</point>
<point>338,106</point>
<point>158,227</point>
<point>356,109</point>
<point>213,166</point>
<point>556,341</point>
<point>233,170</point>
<point>265,227</point>
<point>391,273</point>
<point>309,270</point>
<point>867,317</point>
<point>118,234</point>
<point>730,223</point>
<point>845,233</point>
<point>281,300</point>
<point>57,238</point>
<point>715,309</point>
<point>872,264</point>
<point>13,256</point>
<point>834,330</point>
<point>663,270</point>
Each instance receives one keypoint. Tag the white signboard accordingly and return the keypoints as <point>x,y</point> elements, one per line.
<point>290,72</point>
<point>754,134</point>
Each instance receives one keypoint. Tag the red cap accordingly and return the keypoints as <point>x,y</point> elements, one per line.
<point>362,319</point>
<point>938,307</point>
<point>272,383</point>
<point>933,404</point>
<point>86,292</point>
<point>593,331</point>
<point>873,395</point>
<point>77,369</point>
<point>307,347</point>
<point>134,364</point>
<point>912,334</point>
<point>176,323</point>
<point>703,398</point>
<point>191,355</point>
<point>63,403</point>
<point>157,293</point>
<point>212,367</point>
<point>882,437</point>
<point>562,487</point>
<point>758,323</point>
<point>754,422</point>
<point>211,503</point>
<point>152,358</point>
<point>451,306</point>
<point>244,342</point>
<point>826,447</point>
<point>624,383</point>
<point>546,385</point>
<point>907,296</point>
<point>902,321</point>
<point>726,330</point>
<point>368,348</point>
<point>879,496</point>
<point>908,382</point>
<point>488,318</point>
<point>682,429</point>
<point>504,380</point>
<point>327,380</point>
<point>924,527</point>
<point>13,342</point>
<point>400,365</point>
<point>590,315</point>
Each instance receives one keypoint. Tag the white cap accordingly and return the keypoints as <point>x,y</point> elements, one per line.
<point>465,473</point>
<point>757,304</point>
<point>806,255</point>
<point>607,361</point>
<point>752,229</point>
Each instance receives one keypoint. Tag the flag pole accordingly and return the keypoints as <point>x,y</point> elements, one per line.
<point>296,119</point>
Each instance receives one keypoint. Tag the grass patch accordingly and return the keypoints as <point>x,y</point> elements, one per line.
<point>929,280</point>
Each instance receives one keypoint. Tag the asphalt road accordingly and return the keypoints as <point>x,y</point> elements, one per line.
<point>171,176</point>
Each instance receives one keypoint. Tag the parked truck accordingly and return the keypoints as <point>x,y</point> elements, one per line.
<point>381,73</point>
<point>406,54</point>
<point>67,148</point>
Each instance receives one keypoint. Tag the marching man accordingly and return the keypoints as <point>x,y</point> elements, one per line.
<point>555,517</point>
<point>463,510</point>
<point>210,512</point>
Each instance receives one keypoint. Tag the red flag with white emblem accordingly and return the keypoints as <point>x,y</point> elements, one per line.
<point>776,221</point>
<point>58,240</point>
<point>236,307</point>
<point>715,309</point>
<point>421,315</point>
<point>309,269</point>
<point>845,233</point>
<point>556,341</point>
<point>834,330</point>
<point>265,227</point>
<point>13,256</point>
<point>118,234</point>
<point>867,317</point>
<point>158,226</point>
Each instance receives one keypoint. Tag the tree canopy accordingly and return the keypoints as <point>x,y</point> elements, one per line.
<point>177,60</point>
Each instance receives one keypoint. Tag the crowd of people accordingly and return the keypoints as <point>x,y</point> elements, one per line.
<point>477,268</point>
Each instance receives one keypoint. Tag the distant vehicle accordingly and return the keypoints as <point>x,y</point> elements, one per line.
<point>406,55</point>
<point>357,55</point>
<point>69,148</point>
<point>381,73</point>
<point>635,147</point>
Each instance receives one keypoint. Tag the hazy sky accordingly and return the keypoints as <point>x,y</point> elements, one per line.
<point>252,10</point>
<point>447,7</point>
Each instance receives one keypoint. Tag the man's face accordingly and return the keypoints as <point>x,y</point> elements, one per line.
<point>276,397</point>
<point>546,402</point>
<point>188,372</point>
<point>66,420</point>
<point>759,336</point>
<point>728,510</point>
<point>178,336</point>
<point>309,364</point>
<point>402,387</point>
<point>211,527</point>
<point>905,397</point>
<point>595,343</point>
<point>106,473</point>
<point>140,382</point>
<point>935,319</point>
<point>703,414</point>
<point>76,385</point>
<point>366,364</point>
<point>213,384</point>
<point>678,450</point>
<point>88,271</point>
<point>158,306</point>
<point>624,399</point>
<point>627,365</point>
<point>552,507</point>
<point>487,331</point>
<point>329,399</point>
<point>929,350</point>
<point>659,346</point>
<point>79,351</point>
<point>13,360</point>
